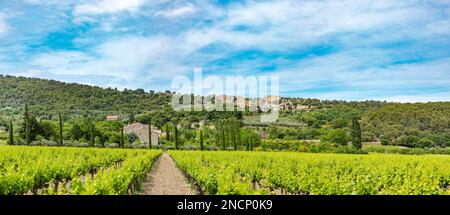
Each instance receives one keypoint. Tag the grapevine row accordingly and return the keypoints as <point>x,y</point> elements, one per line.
<point>303,173</point>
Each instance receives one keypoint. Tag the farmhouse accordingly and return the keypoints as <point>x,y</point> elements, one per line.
<point>142,132</point>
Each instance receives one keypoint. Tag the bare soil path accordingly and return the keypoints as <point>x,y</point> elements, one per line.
<point>166,179</point>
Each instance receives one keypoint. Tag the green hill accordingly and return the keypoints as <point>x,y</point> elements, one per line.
<point>397,123</point>
<point>49,97</point>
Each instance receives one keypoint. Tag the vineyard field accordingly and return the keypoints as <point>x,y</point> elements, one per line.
<point>51,170</point>
<point>315,174</point>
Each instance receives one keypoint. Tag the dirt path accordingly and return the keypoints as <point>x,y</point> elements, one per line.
<point>165,179</point>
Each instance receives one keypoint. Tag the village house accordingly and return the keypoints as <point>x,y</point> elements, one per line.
<point>141,131</point>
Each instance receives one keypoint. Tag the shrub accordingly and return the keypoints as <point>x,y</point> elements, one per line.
<point>35,143</point>
<point>112,145</point>
<point>48,143</point>
<point>424,143</point>
<point>138,146</point>
<point>78,144</point>
<point>384,140</point>
<point>409,141</point>
<point>338,136</point>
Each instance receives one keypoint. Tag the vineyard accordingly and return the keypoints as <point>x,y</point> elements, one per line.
<point>81,171</point>
<point>49,170</point>
<point>311,174</point>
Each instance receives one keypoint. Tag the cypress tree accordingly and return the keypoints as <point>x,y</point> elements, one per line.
<point>60,130</point>
<point>356,133</point>
<point>201,140</point>
<point>167,132</point>
<point>246,144</point>
<point>27,125</point>
<point>150,133</point>
<point>176,136</point>
<point>237,130</point>
<point>222,128</point>
<point>226,133</point>
<point>233,134</point>
<point>92,135</point>
<point>11,132</point>
<point>122,139</point>
<point>76,131</point>
<point>217,134</point>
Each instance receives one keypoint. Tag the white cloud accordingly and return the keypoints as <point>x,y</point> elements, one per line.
<point>4,27</point>
<point>280,25</point>
<point>343,76</point>
<point>134,59</point>
<point>46,2</point>
<point>177,12</point>
<point>107,7</point>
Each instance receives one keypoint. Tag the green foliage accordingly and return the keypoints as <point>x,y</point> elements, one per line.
<point>48,97</point>
<point>30,168</point>
<point>245,173</point>
<point>356,134</point>
<point>167,132</point>
<point>11,133</point>
<point>389,149</point>
<point>304,146</point>
<point>384,140</point>
<point>408,140</point>
<point>92,133</point>
<point>149,133</point>
<point>27,125</point>
<point>82,105</point>
<point>60,130</point>
<point>29,128</point>
<point>228,134</point>
<point>122,138</point>
<point>76,131</point>
<point>132,137</point>
<point>338,136</point>
<point>250,139</point>
<point>201,140</point>
<point>424,143</point>
<point>396,120</point>
<point>176,138</point>
<point>299,133</point>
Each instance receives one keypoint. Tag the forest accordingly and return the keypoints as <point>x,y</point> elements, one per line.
<point>47,112</point>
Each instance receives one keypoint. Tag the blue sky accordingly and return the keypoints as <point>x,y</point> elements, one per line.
<point>351,50</point>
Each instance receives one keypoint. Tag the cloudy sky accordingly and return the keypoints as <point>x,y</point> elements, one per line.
<point>328,49</point>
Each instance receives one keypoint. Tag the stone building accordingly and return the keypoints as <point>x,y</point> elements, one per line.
<point>141,131</point>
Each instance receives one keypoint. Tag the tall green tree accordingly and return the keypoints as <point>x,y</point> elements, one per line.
<point>27,125</point>
<point>29,128</point>
<point>122,138</point>
<point>11,132</point>
<point>76,131</point>
<point>176,136</point>
<point>92,134</point>
<point>150,133</point>
<point>201,140</point>
<point>60,130</point>
<point>233,134</point>
<point>131,118</point>
<point>356,133</point>
<point>236,134</point>
<point>167,132</point>
<point>222,134</point>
